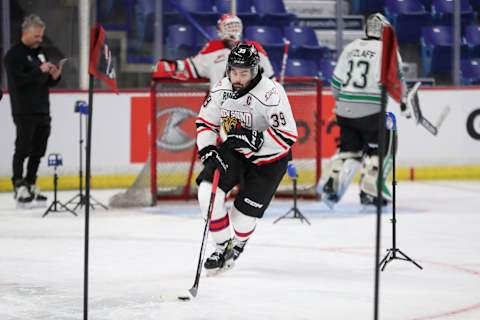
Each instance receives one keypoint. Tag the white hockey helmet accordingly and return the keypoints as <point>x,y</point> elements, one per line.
<point>229,27</point>
<point>374,25</point>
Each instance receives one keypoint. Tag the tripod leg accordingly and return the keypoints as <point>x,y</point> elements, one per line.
<point>49,209</point>
<point>283,216</point>
<point>388,257</point>
<point>409,259</point>
<point>72,199</point>
<point>66,208</point>
<point>302,218</point>
<point>95,202</point>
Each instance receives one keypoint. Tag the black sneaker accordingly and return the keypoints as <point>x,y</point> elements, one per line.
<point>238,248</point>
<point>221,257</point>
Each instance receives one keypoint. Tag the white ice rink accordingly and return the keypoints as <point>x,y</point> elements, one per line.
<point>289,270</point>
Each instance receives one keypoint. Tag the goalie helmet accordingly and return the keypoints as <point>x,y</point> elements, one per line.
<point>374,25</point>
<point>244,56</point>
<point>229,27</point>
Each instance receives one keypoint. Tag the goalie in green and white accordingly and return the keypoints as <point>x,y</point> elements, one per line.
<point>355,85</point>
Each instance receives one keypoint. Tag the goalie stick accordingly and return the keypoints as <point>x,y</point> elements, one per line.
<point>192,292</point>
<point>414,102</point>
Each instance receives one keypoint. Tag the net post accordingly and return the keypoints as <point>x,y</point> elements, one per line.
<point>318,130</point>
<point>153,144</point>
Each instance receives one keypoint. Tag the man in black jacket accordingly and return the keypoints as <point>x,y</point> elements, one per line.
<point>29,77</point>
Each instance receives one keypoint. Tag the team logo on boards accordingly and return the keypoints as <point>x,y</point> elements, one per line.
<point>473,124</point>
<point>172,137</point>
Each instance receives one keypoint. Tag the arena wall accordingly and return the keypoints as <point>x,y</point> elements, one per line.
<point>453,153</point>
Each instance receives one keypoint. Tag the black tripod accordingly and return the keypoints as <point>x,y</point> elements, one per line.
<point>55,160</point>
<point>394,253</point>
<point>292,173</point>
<point>79,200</point>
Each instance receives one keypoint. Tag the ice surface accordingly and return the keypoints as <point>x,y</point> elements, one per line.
<point>289,270</point>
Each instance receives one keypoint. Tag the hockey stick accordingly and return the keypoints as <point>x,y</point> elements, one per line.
<point>192,292</point>
<point>414,102</point>
<point>284,60</point>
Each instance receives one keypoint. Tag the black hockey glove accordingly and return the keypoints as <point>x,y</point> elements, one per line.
<point>210,155</point>
<point>244,138</point>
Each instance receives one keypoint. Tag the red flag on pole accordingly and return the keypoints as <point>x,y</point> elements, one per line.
<point>390,67</point>
<point>101,63</point>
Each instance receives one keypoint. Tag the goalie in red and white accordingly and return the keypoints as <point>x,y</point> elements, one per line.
<point>211,61</point>
<point>245,129</point>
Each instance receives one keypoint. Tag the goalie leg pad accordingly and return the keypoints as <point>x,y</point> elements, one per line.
<point>369,175</point>
<point>339,174</point>
<point>219,221</point>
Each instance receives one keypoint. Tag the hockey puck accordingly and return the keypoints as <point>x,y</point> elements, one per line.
<point>184,298</point>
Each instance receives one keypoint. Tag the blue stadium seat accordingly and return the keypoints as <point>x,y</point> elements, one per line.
<point>408,18</point>
<point>472,39</point>
<point>427,4</point>
<point>271,38</point>
<point>367,6</point>
<point>325,70</point>
<point>202,10</point>
<point>442,11</point>
<point>113,15</point>
<point>273,12</point>
<point>475,4</point>
<point>171,15</point>
<point>268,36</point>
<point>180,41</point>
<point>470,71</point>
<point>200,40</point>
<point>244,10</point>
<point>437,45</point>
<point>301,67</point>
<point>303,43</point>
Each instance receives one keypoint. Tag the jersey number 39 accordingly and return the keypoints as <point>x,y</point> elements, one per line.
<point>278,119</point>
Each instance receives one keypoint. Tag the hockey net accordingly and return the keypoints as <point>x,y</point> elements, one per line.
<point>173,165</point>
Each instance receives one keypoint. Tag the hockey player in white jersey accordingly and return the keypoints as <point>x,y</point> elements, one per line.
<point>245,129</point>
<point>355,85</point>
<point>211,61</point>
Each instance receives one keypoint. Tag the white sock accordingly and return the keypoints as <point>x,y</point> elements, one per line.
<point>219,221</point>
<point>243,225</point>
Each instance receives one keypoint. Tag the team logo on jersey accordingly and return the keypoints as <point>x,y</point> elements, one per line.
<point>229,123</point>
<point>171,136</point>
<point>234,119</point>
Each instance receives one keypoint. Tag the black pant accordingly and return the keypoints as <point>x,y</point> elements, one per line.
<point>258,184</point>
<point>359,134</point>
<point>31,142</point>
